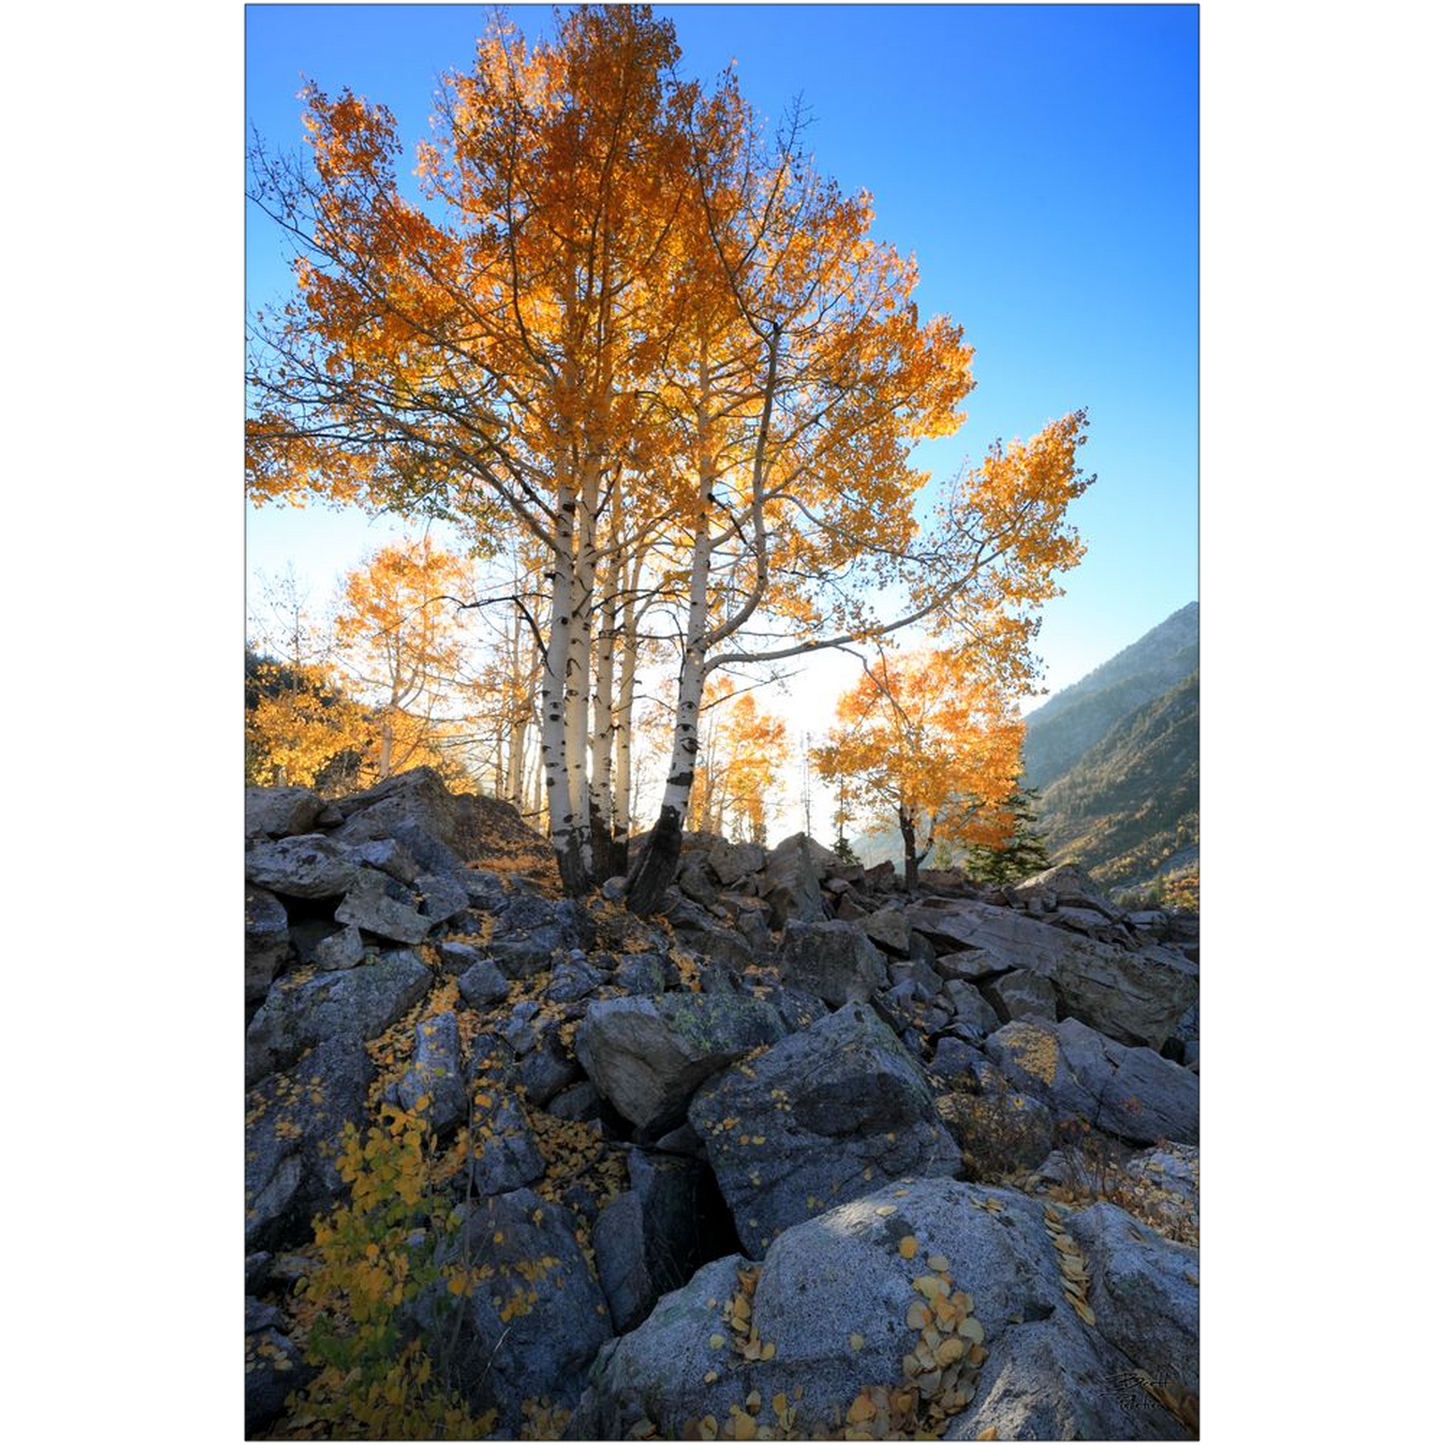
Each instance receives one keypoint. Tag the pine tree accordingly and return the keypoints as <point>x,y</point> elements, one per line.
<point>1025,852</point>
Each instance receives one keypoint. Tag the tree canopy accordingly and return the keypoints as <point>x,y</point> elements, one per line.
<point>629,328</point>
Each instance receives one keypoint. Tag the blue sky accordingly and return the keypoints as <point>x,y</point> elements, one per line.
<point>1041,161</point>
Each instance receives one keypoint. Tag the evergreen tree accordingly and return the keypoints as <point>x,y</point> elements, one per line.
<point>1025,852</point>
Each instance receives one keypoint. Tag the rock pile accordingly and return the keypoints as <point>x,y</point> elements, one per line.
<point>768,1166</point>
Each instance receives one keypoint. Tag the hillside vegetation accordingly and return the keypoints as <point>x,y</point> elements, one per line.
<point>1116,757</point>
<point>1072,721</point>
<point>1128,810</point>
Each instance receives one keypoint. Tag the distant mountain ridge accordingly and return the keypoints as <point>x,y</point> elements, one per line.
<point>1072,721</point>
<point>1116,758</point>
<point>1128,810</point>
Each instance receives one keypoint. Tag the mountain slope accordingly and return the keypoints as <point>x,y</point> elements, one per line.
<point>1074,720</point>
<point>1128,810</point>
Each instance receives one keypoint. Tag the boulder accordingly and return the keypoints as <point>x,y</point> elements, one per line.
<point>888,928</point>
<point>708,938</point>
<point>973,1016</point>
<point>798,1010</point>
<point>531,930</point>
<point>580,1101</point>
<point>648,1055</point>
<point>442,897</point>
<point>308,933</point>
<point>267,942</point>
<point>1077,1072</point>
<point>1044,1381</point>
<point>435,1075</point>
<point>650,1240</point>
<point>546,1070</point>
<point>388,856</point>
<point>1135,997</point>
<point>752,928</point>
<point>340,949</point>
<point>522,1026</point>
<point>695,882</point>
<point>1144,1291</point>
<point>482,984</point>
<point>484,890</point>
<point>274,1365</point>
<point>832,960</point>
<point>502,1152</point>
<point>431,854</point>
<point>948,882</point>
<point>1170,1175</point>
<point>530,1317</point>
<point>357,1004</point>
<point>400,807</point>
<point>837,1308</point>
<point>790,883</point>
<point>968,965</point>
<point>881,877</point>
<point>953,1061</point>
<point>1090,921</point>
<point>822,1117</point>
<point>573,979</point>
<point>640,973</point>
<point>906,999</point>
<point>455,958</point>
<point>258,1273</point>
<point>1021,995</point>
<point>384,907</point>
<point>918,972</point>
<point>309,866</point>
<point>936,920</point>
<point>1153,921</point>
<point>281,812</point>
<point>294,1122</point>
<point>664,1377</point>
<point>1065,886</point>
<point>825,860</point>
<point>731,862</point>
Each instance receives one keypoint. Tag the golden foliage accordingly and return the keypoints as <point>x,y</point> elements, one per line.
<point>401,643</point>
<point>926,742</point>
<point>298,725</point>
<point>372,1383</point>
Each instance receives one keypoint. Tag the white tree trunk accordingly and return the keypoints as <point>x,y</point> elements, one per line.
<point>658,865</point>
<point>578,666</point>
<point>518,709</point>
<point>603,722</point>
<point>681,768</point>
<point>564,821</point>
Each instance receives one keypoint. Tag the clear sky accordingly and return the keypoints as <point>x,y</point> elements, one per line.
<point>1041,161</point>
